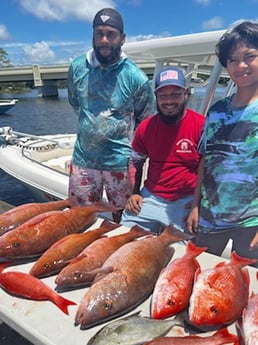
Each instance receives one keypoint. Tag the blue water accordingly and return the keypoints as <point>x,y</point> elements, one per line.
<point>36,115</point>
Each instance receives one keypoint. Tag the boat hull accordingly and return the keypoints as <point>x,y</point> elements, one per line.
<point>7,104</point>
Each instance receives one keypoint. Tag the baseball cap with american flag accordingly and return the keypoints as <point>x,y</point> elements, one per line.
<point>170,76</point>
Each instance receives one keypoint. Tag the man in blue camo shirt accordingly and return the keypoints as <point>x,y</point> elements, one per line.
<point>110,95</point>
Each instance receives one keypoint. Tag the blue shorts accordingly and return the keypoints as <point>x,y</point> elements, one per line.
<point>157,212</point>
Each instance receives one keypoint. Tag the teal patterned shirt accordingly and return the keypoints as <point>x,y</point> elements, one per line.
<point>230,186</point>
<point>110,102</point>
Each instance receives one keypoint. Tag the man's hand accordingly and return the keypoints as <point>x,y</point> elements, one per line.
<point>193,220</point>
<point>134,203</point>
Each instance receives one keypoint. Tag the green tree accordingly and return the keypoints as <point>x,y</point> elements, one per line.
<point>4,60</point>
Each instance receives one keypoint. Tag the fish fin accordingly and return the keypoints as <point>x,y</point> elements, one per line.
<point>102,272</point>
<point>197,273</point>
<point>241,261</point>
<point>62,303</point>
<point>139,231</point>
<point>225,336</point>
<point>76,259</point>
<point>176,234</point>
<point>194,250</point>
<point>108,225</point>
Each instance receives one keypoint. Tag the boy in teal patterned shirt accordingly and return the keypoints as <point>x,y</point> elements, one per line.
<point>225,204</point>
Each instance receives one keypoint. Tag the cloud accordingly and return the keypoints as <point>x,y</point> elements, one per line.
<point>39,52</point>
<point>213,23</point>
<point>4,34</point>
<point>63,10</point>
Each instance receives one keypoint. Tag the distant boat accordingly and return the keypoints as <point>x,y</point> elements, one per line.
<point>7,104</point>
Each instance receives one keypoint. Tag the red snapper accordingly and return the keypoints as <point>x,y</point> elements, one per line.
<point>220,294</point>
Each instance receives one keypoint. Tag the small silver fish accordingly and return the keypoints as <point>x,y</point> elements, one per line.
<point>134,330</point>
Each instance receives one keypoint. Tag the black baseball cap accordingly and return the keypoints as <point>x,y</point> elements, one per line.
<point>110,17</point>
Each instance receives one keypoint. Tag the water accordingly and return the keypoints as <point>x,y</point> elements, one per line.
<point>36,115</point>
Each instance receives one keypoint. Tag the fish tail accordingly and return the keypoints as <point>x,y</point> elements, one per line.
<point>107,225</point>
<point>226,337</point>
<point>139,232</point>
<point>241,261</point>
<point>194,250</point>
<point>175,234</point>
<point>62,303</point>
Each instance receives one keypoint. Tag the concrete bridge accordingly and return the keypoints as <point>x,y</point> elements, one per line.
<point>45,77</point>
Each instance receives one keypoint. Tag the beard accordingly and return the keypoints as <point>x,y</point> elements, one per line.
<point>110,59</point>
<point>173,119</point>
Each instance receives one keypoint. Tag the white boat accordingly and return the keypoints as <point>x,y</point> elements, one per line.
<point>42,162</point>
<point>7,104</point>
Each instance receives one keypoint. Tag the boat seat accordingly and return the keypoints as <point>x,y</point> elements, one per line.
<point>61,164</point>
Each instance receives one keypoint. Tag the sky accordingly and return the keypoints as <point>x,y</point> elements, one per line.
<point>56,31</point>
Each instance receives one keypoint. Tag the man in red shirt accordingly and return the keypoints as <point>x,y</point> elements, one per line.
<point>169,141</point>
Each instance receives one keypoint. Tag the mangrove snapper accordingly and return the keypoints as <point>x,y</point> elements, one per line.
<point>39,233</point>
<point>83,269</point>
<point>67,248</point>
<point>128,277</point>
<point>20,214</point>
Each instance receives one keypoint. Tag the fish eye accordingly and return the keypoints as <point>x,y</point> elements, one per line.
<point>47,265</point>
<point>77,275</point>
<point>108,305</point>
<point>16,244</point>
<point>214,310</point>
<point>171,302</point>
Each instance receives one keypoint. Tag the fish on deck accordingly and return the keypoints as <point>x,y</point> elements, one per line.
<point>221,337</point>
<point>173,288</point>
<point>220,293</point>
<point>26,286</point>
<point>58,255</point>
<point>247,325</point>
<point>20,214</point>
<point>134,329</point>
<point>128,277</point>
<point>83,269</point>
<point>39,233</point>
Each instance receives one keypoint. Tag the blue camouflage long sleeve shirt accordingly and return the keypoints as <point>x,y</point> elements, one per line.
<point>109,102</point>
